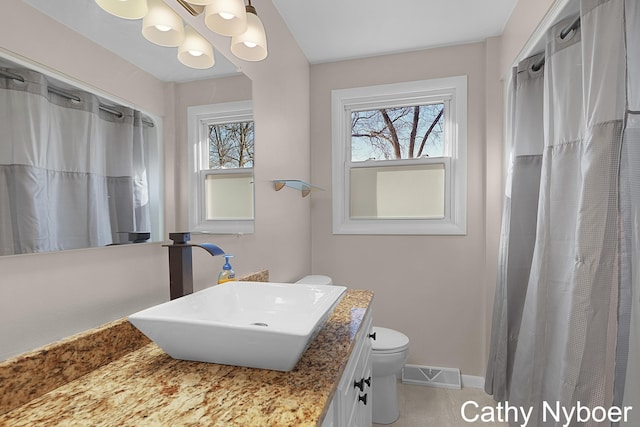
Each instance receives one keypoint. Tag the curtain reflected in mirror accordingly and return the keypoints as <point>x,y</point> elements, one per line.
<point>74,169</point>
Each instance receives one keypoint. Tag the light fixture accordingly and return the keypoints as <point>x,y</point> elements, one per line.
<point>252,44</point>
<point>127,9</point>
<point>226,17</point>
<point>195,51</point>
<point>161,25</point>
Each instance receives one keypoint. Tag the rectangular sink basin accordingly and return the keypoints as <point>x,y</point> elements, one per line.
<point>255,324</point>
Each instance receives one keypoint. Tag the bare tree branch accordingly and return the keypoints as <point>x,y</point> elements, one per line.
<point>394,135</point>
<point>414,131</point>
<point>426,135</point>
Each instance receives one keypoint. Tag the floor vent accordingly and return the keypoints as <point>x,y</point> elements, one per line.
<point>431,376</point>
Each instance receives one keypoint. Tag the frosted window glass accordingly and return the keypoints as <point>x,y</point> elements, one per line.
<point>398,192</point>
<point>229,196</point>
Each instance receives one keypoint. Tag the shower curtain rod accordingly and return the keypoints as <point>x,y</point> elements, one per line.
<point>564,33</point>
<point>52,89</point>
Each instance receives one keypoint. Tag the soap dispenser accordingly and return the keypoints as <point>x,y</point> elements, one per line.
<point>227,274</point>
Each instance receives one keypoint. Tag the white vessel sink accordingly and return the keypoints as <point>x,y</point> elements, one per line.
<point>256,324</point>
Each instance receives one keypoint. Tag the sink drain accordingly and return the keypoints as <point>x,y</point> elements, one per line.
<point>259,324</point>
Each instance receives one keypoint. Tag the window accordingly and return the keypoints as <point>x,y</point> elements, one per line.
<point>221,163</point>
<point>399,158</point>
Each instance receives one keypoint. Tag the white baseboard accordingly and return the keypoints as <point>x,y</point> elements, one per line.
<point>472,381</point>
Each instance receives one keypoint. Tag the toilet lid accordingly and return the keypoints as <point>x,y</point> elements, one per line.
<point>316,279</point>
<point>388,339</point>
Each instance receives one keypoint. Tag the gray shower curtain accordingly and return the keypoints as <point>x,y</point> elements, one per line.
<point>72,175</point>
<point>566,311</point>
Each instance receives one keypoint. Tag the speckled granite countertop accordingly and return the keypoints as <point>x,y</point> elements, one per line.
<point>124,380</point>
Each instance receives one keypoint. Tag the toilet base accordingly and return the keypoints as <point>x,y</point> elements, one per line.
<point>384,399</point>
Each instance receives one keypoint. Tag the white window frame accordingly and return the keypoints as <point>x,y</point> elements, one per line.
<point>451,90</point>
<point>199,118</point>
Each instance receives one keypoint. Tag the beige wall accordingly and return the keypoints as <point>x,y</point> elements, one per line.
<point>227,89</point>
<point>494,176</point>
<point>280,94</point>
<point>432,288</point>
<point>436,289</point>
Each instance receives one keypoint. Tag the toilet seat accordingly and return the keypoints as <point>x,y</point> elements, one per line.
<point>389,341</point>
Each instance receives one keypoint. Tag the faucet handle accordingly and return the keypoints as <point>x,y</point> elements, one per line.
<point>180,238</point>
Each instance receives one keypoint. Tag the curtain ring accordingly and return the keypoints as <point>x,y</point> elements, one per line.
<point>537,66</point>
<point>571,29</point>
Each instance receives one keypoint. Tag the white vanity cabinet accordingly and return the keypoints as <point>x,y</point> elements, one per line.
<point>351,404</point>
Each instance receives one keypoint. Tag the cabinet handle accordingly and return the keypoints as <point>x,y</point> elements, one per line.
<point>363,399</point>
<point>373,336</point>
<point>360,384</point>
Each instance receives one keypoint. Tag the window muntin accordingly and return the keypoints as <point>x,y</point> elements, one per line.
<point>378,160</point>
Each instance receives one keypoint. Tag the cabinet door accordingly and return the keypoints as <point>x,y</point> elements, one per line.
<point>330,417</point>
<point>365,412</point>
<point>354,388</point>
<point>363,409</point>
<point>347,393</point>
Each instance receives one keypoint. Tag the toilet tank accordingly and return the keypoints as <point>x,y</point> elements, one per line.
<point>316,279</point>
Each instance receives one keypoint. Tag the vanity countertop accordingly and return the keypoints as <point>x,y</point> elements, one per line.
<point>130,381</point>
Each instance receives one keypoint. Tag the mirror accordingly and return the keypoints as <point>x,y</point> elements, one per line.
<point>76,170</point>
<point>124,38</point>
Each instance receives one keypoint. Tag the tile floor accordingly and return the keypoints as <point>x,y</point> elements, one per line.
<point>422,406</point>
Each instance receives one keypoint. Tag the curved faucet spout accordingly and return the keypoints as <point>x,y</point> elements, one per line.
<point>180,263</point>
<point>211,248</point>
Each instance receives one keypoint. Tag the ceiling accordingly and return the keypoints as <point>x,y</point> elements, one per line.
<point>331,30</point>
<point>326,30</point>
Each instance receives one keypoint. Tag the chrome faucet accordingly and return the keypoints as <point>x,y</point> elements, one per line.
<point>180,263</point>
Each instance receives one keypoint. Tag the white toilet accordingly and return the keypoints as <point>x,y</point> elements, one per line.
<point>389,354</point>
